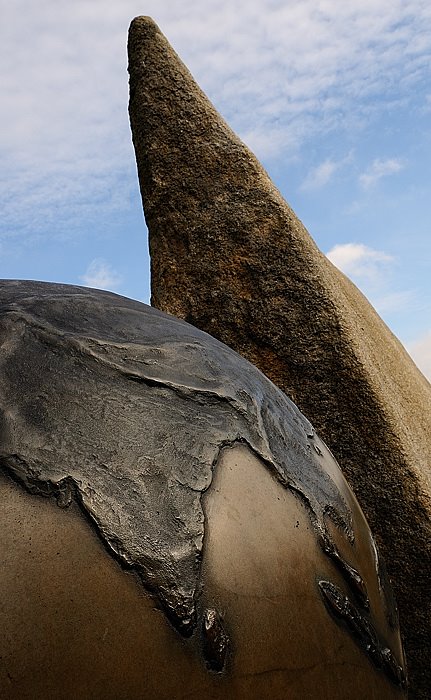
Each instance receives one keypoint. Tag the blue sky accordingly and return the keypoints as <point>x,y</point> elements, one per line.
<point>333,97</point>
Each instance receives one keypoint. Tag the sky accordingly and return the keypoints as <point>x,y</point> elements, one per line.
<point>333,97</point>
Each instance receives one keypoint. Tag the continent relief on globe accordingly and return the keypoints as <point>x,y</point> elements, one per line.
<point>171,524</point>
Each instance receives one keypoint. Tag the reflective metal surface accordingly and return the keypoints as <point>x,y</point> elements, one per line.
<point>170,452</point>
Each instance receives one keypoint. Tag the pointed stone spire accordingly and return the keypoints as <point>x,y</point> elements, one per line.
<point>229,256</point>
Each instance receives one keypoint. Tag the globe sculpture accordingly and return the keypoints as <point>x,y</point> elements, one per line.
<point>171,525</point>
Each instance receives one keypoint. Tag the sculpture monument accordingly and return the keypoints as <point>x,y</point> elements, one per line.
<point>229,256</point>
<point>132,430</point>
<point>172,525</point>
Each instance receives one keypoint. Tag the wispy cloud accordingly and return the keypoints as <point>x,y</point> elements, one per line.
<point>380,168</point>
<point>323,173</point>
<point>320,176</point>
<point>358,260</point>
<point>278,71</point>
<point>372,271</point>
<point>101,275</point>
<point>420,350</point>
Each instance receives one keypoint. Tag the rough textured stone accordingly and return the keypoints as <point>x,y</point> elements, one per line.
<point>230,256</point>
<point>201,477</point>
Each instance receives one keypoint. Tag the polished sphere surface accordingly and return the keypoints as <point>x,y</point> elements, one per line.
<point>171,525</point>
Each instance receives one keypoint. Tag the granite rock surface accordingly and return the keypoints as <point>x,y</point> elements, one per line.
<point>229,256</point>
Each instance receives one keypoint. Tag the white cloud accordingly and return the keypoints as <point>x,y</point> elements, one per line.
<point>278,71</point>
<point>101,275</point>
<point>372,271</point>
<point>358,260</point>
<point>378,169</point>
<point>420,350</point>
<point>322,174</point>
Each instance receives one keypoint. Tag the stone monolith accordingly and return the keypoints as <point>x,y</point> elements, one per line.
<point>229,255</point>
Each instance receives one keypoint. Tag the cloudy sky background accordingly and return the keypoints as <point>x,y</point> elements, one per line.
<point>333,97</point>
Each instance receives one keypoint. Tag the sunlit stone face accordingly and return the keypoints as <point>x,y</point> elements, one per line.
<point>182,531</point>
